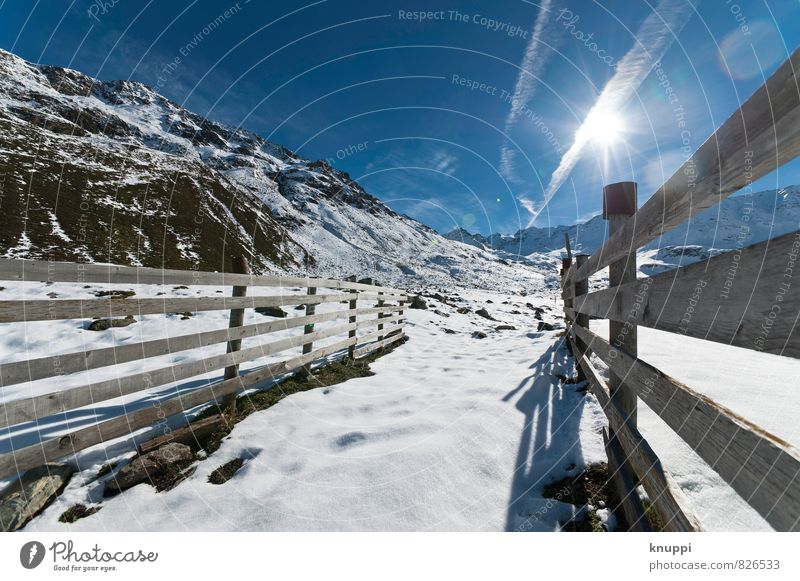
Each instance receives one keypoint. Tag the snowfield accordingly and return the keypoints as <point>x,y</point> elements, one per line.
<point>451,433</point>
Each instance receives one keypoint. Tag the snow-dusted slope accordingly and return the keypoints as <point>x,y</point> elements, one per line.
<point>115,172</point>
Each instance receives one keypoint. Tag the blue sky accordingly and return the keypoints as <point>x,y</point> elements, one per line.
<point>459,118</point>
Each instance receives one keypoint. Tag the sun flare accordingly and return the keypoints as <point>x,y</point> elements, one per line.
<point>603,128</point>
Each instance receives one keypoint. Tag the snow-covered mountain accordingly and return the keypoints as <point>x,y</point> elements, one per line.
<point>740,220</point>
<point>114,172</point>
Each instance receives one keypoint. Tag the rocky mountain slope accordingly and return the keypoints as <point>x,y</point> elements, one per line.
<point>114,172</point>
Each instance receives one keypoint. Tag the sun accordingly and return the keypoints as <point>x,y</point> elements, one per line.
<point>603,128</point>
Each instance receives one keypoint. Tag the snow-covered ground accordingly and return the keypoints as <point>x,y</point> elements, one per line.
<point>758,386</point>
<point>452,432</point>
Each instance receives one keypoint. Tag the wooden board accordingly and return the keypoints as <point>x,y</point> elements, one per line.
<point>744,298</point>
<point>666,496</point>
<point>14,463</point>
<point>56,309</point>
<point>626,487</point>
<point>38,407</point>
<point>757,139</point>
<point>64,364</point>
<point>761,467</point>
<point>42,270</point>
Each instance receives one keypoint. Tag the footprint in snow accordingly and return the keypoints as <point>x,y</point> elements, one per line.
<point>349,439</point>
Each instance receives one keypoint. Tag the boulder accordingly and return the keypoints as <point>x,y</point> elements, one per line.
<point>31,494</point>
<point>105,324</point>
<point>545,326</point>
<point>417,303</point>
<point>505,328</point>
<point>271,312</point>
<point>478,335</point>
<point>485,314</point>
<point>151,467</point>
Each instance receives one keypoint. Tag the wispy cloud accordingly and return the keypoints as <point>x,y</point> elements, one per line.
<point>654,37</point>
<point>533,62</point>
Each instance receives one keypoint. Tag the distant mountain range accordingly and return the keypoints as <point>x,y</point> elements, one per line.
<point>737,221</point>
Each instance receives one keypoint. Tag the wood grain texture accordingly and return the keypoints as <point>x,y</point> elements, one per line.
<point>626,487</point>
<point>763,469</point>
<point>757,139</point>
<point>57,309</point>
<point>748,298</point>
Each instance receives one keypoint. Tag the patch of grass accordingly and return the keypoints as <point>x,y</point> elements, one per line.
<point>225,472</point>
<point>77,512</point>
<point>652,515</point>
<point>106,469</point>
<point>115,294</point>
<point>592,486</point>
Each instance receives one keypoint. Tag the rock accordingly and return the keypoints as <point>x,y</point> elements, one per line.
<point>271,312</point>
<point>449,331</point>
<point>485,314</point>
<point>115,294</point>
<point>31,494</point>
<point>489,301</point>
<point>105,324</point>
<point>463,310</point>
<point>545,326</point>
<point>367,280</point>
<point>505,328</point>
<point>156,467</point>
<point>440,313</point>
<point>417,303</point>
<point>192,435</point>
<point>478,335</point>
<point>515,312</point>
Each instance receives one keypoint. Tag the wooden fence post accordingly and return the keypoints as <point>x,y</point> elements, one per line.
<point>565,264</point>
<point>351,351</point>
<point>239,265</point>
<point>308,329</point>
<point>380,315</point>
<point>619,203</point>
<point>581,288</point>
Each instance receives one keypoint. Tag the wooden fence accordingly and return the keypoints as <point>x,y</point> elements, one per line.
<point>748,298</point>
<point>389,321</point>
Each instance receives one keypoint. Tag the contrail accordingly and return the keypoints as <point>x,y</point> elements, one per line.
<point>533,62</point>
<point>654,37</point>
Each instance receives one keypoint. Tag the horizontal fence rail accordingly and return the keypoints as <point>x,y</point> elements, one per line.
<point>743,298</point>
<point>387,315</point>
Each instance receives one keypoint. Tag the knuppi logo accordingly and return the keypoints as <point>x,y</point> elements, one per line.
<point>31,554</point>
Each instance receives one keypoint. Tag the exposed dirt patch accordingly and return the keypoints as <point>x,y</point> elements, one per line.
<point>225,472</point>
<point>77,512</point>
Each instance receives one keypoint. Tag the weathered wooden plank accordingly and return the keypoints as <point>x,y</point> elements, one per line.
<point>757,139</point>
<point>366,350</point>
<point>42,270</point>
<point>666,496</point>
<point>763,469</point>
<point>626,487</point>
<point>18,461</point>
<point>56,365</point>
<point>744,298</point>
<point>46,310</point>
<point>33,408</point>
